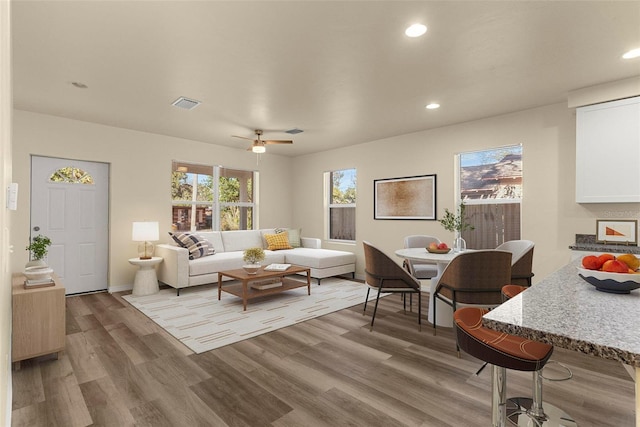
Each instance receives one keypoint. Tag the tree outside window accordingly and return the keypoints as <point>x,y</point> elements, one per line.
<point>342,204</point>
<point>195,206</point>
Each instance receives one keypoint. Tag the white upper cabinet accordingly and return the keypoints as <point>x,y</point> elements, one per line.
<point>608,152</point>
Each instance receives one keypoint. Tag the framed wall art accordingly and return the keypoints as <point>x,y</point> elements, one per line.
<point>411,197</point>
<point>617,231</point>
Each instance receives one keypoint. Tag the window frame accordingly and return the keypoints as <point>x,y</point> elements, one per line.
<point>490,201</point>
<point>215,204</point>
<point>328,198</point>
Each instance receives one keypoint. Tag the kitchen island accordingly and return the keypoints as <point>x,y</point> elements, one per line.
<point>565,311</point>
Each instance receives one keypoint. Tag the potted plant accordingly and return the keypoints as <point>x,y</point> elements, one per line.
<point>456,223</point>
<point>38,249</point>
<point>252,257</point>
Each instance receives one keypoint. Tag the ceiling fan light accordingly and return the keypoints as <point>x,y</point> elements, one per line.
<point>258,149</point>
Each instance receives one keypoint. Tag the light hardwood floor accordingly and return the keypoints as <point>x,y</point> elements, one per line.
<point>120,369</point>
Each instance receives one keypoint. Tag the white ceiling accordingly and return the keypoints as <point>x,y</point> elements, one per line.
<point>341,70</point>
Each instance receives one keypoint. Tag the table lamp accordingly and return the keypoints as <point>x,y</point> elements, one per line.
<point>145,233</point>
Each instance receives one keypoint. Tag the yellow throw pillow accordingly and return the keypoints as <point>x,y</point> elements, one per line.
<point>277,241</point>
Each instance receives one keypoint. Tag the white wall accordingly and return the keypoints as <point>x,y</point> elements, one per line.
<point>550,216</point>
<point>140,169</point>
<point>6,109</point>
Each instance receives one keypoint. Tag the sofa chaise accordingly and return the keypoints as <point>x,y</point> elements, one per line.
<point>182,268</point>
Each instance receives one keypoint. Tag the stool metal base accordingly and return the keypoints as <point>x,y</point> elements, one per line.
<point>517,408</point>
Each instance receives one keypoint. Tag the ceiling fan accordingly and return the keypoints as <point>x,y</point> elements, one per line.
<point>258,145</point>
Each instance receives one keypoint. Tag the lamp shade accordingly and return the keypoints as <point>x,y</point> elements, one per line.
<point>145,231</point>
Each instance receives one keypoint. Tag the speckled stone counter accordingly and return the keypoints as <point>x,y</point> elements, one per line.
<point>567,312</point>
<point>587,242</point>
<point>614,249</point>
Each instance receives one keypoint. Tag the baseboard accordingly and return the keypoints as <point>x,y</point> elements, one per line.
<point>119,288</point>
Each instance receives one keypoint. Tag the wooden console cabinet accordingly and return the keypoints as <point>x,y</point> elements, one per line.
<point>38,320</point>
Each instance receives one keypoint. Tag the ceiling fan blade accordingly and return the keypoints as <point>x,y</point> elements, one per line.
<point>277,141</point>
<point>243,137</point>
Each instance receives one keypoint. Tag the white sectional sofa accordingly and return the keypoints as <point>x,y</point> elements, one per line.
<point>178,271</point>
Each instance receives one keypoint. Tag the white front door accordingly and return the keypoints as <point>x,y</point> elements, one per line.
<point>70,205</point>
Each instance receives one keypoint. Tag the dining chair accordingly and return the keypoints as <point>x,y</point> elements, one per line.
<point>419,269</point>
<point>521,260</point>
<point>474,278</point>
<point>386,276</point>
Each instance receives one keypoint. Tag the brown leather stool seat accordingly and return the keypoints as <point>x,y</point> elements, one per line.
<point>505,351</point>
<point>498,348</point>
<point>510,291</point>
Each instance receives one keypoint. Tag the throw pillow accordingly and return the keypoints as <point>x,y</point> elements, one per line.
<point>277,241</point>
<point>294,236</point>
<point>197,246</point>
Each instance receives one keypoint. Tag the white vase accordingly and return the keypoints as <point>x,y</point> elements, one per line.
<point>251,268</point>
<point>459,244</point>
<point>36,263</point>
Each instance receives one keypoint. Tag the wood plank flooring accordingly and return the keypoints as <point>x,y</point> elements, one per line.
<point>120,369</point>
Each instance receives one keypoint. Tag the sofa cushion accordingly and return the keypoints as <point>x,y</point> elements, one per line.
<point>278,241</point>
<point>222,261</point>
<point>197,246</point>
<point>228,261</point>
<point>215,238</point>
<point>294,236</point>
<point>239,240</point>
<point>319,258</point>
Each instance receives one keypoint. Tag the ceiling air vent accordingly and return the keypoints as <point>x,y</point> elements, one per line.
<point>186,103</point>
<point>293,131</point>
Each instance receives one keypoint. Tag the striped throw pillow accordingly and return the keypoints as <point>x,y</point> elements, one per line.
<point>197,246</point>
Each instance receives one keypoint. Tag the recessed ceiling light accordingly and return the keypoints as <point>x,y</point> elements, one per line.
<point>634,53</point>
<point>416,30</point>
<point>432,106</point>
<point>79,85</point>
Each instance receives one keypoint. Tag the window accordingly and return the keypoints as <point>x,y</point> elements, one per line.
<point>341,214</point>
<point>71,175</point>
<point>211,197</point>
<point>490,185</point>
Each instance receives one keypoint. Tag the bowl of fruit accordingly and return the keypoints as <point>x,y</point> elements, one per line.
<point>608,273</point>
<point>438,248</point>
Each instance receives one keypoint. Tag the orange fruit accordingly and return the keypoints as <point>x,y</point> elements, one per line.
<point>615,266</point>
<point>604,258</point>
<point>591,262</point>
<point>630,260</point>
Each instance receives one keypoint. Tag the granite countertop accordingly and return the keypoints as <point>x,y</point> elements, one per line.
<point>587,242</point>
<point>596,247</point>
<point>565,311</point>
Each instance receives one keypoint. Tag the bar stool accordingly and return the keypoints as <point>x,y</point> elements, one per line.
<point>504,351</point>
<point>520,404</point>
<point>510,291</point>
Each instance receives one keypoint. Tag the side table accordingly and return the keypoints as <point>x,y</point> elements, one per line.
<point>146,281</point>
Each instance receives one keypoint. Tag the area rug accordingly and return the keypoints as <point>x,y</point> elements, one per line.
<point>203,323</point>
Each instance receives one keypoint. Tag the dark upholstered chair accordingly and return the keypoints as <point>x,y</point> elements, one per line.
<point>420,270</point>
<point>504,351</point>
<point>384,275</point>
<point>521,260</point>
<point>474,278</point>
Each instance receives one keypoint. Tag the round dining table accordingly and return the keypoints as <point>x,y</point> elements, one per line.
<point>445,311</point>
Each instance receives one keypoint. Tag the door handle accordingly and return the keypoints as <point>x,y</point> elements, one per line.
<point>36,228</point>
